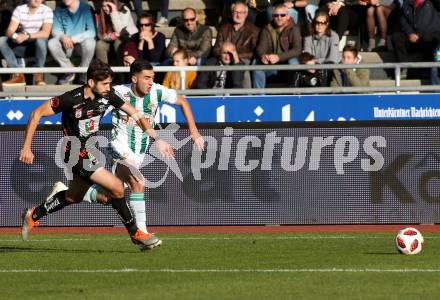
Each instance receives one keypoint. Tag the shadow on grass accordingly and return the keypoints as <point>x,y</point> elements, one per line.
<point>9,249</point>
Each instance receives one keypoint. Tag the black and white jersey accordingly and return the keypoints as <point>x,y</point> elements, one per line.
<point>82,117</point>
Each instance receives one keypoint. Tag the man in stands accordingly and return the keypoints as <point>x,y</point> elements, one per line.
<point>280,43</point>
<point>73,26</point>
<point>28,31</point>
<point>420,30</point>
<point>242,34</point>
<point>194,38</point>
<point>223,79</point>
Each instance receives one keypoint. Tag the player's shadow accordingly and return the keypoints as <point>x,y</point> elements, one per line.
<point>10,249</point>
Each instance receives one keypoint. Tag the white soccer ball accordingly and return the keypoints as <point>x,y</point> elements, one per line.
<point>409,241</point>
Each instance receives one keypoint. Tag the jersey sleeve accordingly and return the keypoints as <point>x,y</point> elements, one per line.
<point>116,99</point>
<point>167,95</point>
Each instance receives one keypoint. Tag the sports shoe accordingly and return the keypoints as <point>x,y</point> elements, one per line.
<point>57,187</point>
<point>28,223</point>
<point>145,241</point>
<point>163,22</point>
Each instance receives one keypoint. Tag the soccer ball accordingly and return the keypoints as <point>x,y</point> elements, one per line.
<point>409,241</point>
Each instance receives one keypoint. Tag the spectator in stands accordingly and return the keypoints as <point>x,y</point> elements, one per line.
<point>280,43</point>
<point>420,25</point>
<point>73,27</point>
<point>242,34</point>
<point>292,6</point>
<point>379,10</point>
<point>115,25</point>
<point>29,28</point>
<point>149,42</point>
<point>345,14</point>
<point>172,80</point>
<point>223,79</point>
<point>323,43</point>
<point>350,77</point>
<point>196,39</point>
<point>310,77</point>
<point>129,53</point>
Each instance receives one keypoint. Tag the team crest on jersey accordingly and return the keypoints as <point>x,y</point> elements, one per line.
<point>78,112</point>
<point>55,102</point>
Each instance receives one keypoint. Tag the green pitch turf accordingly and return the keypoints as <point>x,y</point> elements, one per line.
<point>218,266</point>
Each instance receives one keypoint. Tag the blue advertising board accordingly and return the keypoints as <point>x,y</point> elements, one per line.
<point>272,108</point>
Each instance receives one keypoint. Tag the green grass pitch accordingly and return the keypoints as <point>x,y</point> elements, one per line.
<point>218,266</point>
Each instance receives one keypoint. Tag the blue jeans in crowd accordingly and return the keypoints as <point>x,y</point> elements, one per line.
<point>10,51</point>
<point>259,77</point>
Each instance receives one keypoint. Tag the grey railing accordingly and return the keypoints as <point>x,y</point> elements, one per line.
<point>396,88</point>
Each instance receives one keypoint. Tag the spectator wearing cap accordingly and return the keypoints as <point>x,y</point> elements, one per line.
<point>195,38</point>
<point>280,43</point>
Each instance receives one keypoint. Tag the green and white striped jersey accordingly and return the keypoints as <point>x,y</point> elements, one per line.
<point>126,133</point>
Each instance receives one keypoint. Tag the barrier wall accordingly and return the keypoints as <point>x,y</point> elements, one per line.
<point>275,108</point>
<point>267,173</point>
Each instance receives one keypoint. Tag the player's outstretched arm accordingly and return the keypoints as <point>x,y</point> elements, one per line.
<point>163,147</point>
<point>43,110</point>
<point>187,113</point>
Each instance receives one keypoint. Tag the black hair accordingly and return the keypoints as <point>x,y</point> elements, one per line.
<point>140,65</point>
<point>99,71</point>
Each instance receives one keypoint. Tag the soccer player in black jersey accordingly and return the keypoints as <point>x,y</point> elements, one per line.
<point>82,110</point>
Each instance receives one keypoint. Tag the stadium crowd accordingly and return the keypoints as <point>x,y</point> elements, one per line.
<point>281,32</point>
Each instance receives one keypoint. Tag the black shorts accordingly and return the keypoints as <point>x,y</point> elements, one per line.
<point>87,165</point>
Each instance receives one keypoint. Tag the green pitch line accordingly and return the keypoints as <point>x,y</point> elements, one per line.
<point>218,266</point>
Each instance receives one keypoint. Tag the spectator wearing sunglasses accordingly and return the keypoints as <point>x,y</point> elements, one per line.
<point>280,43</point>
<point>323,43</point>
<point>194,38</point>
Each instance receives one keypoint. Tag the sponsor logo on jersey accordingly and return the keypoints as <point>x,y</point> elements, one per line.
<point>78,112</point>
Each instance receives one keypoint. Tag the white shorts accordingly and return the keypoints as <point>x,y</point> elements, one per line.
<point>120,151</point>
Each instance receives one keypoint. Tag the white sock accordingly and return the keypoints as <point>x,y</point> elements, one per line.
<point>382,42</point>
<point>137,205</point>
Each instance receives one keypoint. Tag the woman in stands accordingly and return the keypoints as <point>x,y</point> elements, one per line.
<point>380,11</point>
<point>323,43</point>
<point>115,25</point>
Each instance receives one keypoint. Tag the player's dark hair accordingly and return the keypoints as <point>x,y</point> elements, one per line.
<point>140,65</point>
<point>99,71</point>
